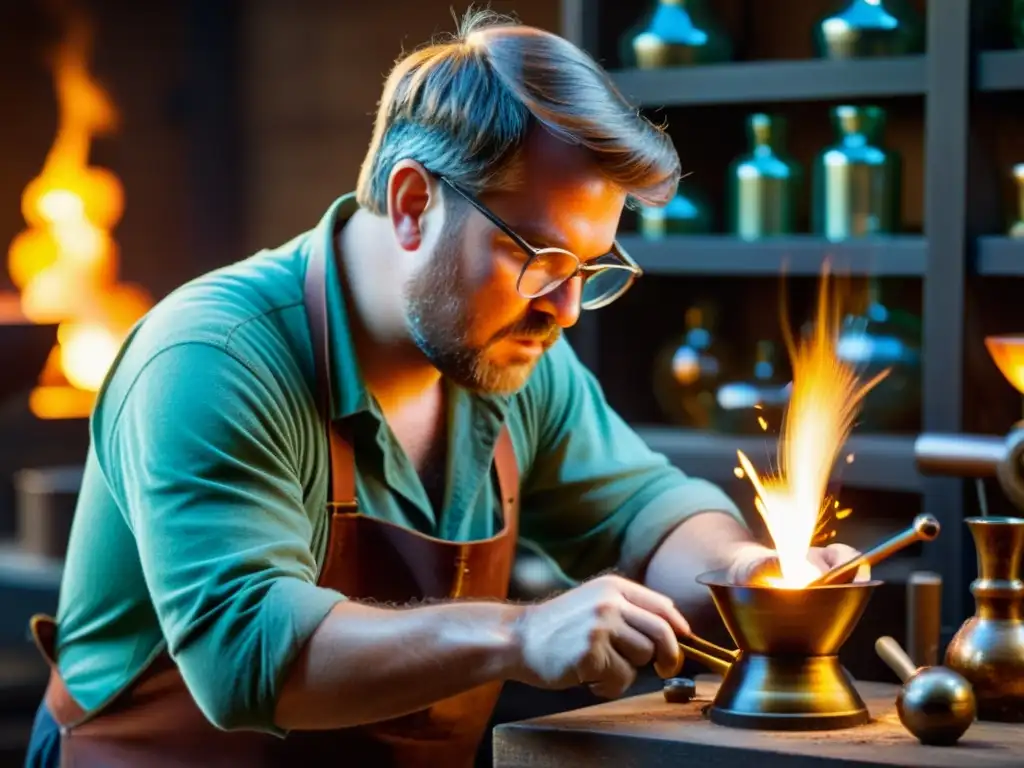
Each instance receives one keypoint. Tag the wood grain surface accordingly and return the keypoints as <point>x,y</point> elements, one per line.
<point>645,731</point>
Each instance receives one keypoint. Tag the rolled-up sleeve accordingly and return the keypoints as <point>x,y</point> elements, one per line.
<point>596,496</point>
<point>206,474</point>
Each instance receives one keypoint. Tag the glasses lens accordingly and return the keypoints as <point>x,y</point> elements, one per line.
<point>604,287</point>
<point>546,271</point>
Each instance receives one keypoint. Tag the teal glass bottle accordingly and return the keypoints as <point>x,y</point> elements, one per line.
<point>1017,224</point>
<point>881,336</point>
<point>675,33</point>
<point>866,28</point>
<point>688,370</point>
<point>857,181</point>
<point>764,183</point>
<point>756,404</point>
<point>688,213</point>
<point>1017,23</point>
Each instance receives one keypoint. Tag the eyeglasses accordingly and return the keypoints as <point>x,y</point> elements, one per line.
<point>605,278</point>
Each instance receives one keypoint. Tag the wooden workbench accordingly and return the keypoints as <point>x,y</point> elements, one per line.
<point>646,731</point>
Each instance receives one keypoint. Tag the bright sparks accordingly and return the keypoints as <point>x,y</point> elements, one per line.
<point>824,402</point>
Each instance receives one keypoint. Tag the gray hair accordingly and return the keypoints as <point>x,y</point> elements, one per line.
<point>463,106</point>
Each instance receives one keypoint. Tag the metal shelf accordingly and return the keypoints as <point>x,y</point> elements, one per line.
<point>774,81</point>
<point>999,256</point>
<point>881,462</point>
<point>947,80</point>
<point>795,255</point>
<point>1000,71</point>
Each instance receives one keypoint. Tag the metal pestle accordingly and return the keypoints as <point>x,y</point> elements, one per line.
<point>924,528</point>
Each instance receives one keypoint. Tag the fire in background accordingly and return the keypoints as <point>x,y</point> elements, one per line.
<point>65,263</point>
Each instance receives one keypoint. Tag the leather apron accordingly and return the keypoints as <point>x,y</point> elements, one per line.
<point>154,721</point>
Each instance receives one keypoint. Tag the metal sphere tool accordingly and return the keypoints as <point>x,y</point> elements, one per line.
<point>935,704</point>
<point>679,690</point>
<point>924,528</point>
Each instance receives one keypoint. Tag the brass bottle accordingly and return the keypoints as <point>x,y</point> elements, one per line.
<point>864,28</point>
<point>857,180</point>
<point>676,33</point>
<point>988,649</point>
<point>1017,227</point>
<point>688,370</point>
<point>763,183</point>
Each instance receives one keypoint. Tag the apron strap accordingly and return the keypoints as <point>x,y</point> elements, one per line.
<point>342,460</point>
<point>65,711</point>
<point>508,480</point>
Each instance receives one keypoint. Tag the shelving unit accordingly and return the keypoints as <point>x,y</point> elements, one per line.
<point>775,81</point>
<point>880,462</point>
<point>803,255</point>
<point>1000,71</point>
<point>1002,256</point>
<point>961,240</point>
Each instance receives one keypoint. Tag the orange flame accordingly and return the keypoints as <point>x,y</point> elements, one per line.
<point>65,263</point>
<point>825,400</point>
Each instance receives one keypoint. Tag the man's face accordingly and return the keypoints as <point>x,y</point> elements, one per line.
<point>462,306</point>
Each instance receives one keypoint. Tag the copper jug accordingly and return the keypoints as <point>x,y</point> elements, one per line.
<point>988,649</point>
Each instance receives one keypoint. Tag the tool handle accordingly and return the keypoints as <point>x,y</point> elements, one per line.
<point>895,658</point>
<point>924,617</point>
<point>924,528</point>
<point>709,648</point>
<point>959,455</point>
<point>715,664</point>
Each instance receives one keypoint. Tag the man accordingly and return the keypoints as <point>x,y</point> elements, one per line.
<point>308,470</point>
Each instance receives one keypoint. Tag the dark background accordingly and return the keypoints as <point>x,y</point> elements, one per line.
<point>242,121</point>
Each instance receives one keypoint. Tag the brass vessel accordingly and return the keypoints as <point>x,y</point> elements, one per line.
<point>988,650</point>
<point>785,675</point>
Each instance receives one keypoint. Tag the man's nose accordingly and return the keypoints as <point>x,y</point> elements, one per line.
<point>563,303</point>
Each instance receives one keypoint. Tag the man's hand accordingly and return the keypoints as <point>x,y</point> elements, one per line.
<point>834,555</point>
<point>598,634</point>
<point>754,562</point>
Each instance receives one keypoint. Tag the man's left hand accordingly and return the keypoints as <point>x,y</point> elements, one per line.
<point>755,562</point>
<point>834,555</point>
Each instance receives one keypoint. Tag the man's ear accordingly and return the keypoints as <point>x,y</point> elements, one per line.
<point>409,196</point>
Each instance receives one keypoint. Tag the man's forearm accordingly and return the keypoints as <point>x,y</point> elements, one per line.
<point>704,542</point>
<point>364,664</point>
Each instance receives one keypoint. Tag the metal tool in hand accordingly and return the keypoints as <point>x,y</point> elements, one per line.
<point>924,528</point>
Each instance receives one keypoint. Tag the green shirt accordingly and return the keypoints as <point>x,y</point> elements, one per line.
<point>201,524</point>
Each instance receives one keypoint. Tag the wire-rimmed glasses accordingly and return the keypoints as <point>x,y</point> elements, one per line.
<point>604,279</point>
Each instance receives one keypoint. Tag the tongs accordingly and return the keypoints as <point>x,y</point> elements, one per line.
<point>712,656</point>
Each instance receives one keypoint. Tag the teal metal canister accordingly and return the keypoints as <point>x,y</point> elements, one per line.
<point>675,33</point>
<point>688,213</point>
<point>857,181</point>
<point>763,184</point>
<point>1015,21</point>
<point>866,28</point>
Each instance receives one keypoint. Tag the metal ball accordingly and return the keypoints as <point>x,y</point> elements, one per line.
<point>679,690</point>
<point>937,706</point>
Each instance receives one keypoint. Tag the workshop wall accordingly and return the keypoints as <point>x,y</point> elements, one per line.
<point>313,73</point>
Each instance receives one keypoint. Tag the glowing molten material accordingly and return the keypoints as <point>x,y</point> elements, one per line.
<point>65,262</point>
<point>1008,354</point>
<point>825,399</point>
